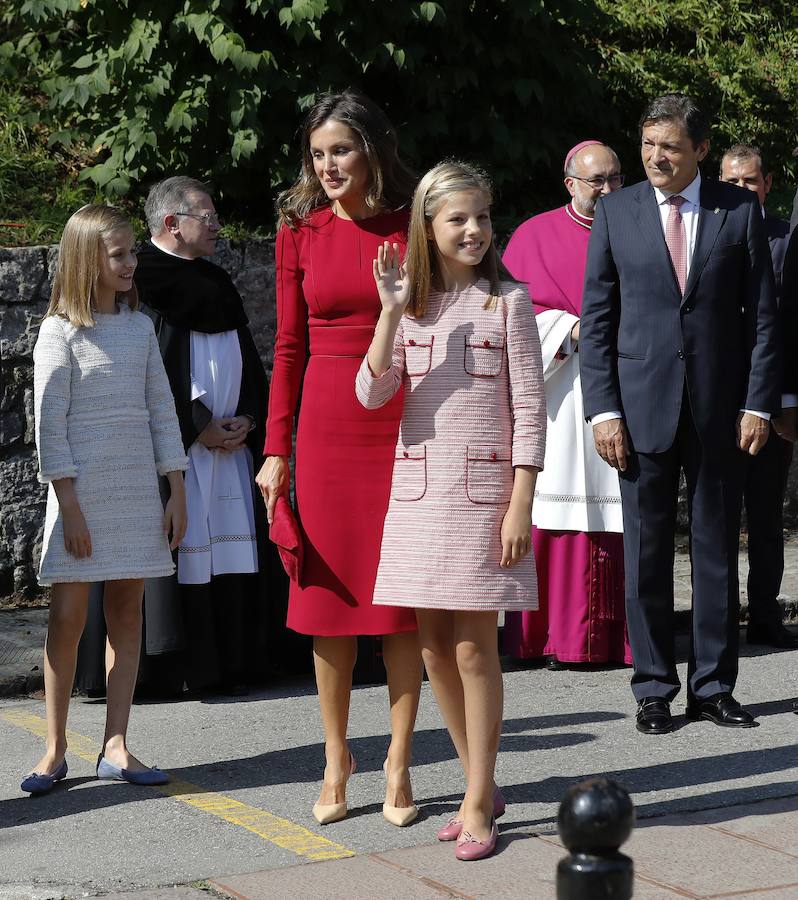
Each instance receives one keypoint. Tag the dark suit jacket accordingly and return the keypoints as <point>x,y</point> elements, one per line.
<point>639,339</point>
<point>789,305</point>
<point>778,235</point>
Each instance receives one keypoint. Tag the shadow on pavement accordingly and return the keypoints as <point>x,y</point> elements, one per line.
<point>511,726</point>
<point>703,809</point>
<point>674,775</point>
<point>304,764</point>
<point>725,806</point>
<point>291,766</point>
<point>770,707</point>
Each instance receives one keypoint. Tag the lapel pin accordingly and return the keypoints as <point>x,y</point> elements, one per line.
<point>717,210</point>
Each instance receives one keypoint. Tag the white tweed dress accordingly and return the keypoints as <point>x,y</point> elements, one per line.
<point>474,408</point>
<point>105,416</point>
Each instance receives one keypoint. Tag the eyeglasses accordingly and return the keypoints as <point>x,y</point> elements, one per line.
<point>207,219</point>
<point>597,182</point>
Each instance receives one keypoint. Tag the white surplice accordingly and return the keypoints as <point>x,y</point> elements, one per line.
<point>220,538</point>
<point>577,490</point>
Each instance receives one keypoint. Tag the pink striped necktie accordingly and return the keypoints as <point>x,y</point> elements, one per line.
<point>676,239</point>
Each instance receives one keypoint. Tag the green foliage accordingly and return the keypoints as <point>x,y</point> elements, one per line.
<point>739,56</point>
<point>39,187</point>
<point>217,88</point>
<point>127,91</point>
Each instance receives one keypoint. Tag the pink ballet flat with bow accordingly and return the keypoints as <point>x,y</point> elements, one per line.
<point>469,848</point>
<point>451,830</point>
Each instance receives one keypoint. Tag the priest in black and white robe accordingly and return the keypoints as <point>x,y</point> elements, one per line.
<point>218,623</point>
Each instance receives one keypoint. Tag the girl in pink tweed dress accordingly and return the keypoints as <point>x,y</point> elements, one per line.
<point>456,545</point>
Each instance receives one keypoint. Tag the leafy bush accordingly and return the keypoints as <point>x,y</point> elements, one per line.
<point>39,187</point>
<point>740,57</point>
<point>138,89</point>
<point>217,88</point>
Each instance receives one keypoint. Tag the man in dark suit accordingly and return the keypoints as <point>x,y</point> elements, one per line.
<point>680,369</point>
<point>766,482</point>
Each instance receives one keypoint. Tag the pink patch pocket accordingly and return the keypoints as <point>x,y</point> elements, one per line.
<point>484,354</point>
<point>418,355</point>
<point>409,480</point>
<point>489,475</point>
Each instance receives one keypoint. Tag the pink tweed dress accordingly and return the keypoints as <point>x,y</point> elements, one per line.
<point>474,407</point>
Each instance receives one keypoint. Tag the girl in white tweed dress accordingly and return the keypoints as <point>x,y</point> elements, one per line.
<point>105,428</point>
<point>456,544</point>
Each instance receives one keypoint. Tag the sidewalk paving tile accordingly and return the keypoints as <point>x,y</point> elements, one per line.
<point>651,889</point>
<point>787,892</point>
<point>522,866</point>
<point>179,892</point>
<point>356,878</point>
<point>773,823</point>
<point>647,886</point>
<point>703,861</point>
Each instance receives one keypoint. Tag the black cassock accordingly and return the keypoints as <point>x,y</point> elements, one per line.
<point>230,631</point>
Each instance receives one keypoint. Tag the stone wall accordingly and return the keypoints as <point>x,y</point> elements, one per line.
<point>25,281</point>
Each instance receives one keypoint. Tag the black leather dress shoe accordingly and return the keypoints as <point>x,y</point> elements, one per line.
<point>722,709</point>
<point>653,716</point>
<point>776,635</point>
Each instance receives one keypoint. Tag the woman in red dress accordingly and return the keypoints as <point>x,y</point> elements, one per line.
<point>351,196</point>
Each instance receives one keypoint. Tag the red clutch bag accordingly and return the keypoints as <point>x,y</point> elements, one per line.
<point>285,533</point>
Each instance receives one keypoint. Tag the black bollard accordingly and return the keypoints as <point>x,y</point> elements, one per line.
<point>596,816</point>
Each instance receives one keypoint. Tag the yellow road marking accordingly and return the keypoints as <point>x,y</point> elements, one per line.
<point>281,832</point>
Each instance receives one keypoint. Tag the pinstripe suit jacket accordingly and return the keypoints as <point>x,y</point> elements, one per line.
<point>640,340</point>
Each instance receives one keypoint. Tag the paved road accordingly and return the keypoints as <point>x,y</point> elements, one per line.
<point>247,774</point>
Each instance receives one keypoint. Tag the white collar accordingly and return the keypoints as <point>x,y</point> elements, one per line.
<point>154,241</point>
<point>692,193</point>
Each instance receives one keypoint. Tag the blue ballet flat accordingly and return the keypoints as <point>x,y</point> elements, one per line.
<point>110,772</point>
<point>42,784</point>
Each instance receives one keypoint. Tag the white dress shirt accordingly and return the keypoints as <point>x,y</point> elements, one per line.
<point>690,210</point>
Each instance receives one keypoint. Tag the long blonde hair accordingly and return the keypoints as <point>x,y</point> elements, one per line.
<point>75,283</point>
<point>447,178</point>
<point>391,184</point>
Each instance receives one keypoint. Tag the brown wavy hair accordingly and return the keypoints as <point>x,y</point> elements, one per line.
<point>73,295</point>
<point>434,189</point>
<point>392,182</point>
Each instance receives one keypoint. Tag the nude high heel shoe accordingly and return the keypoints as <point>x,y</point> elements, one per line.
<point>397,815</point>
<point>326,813</point>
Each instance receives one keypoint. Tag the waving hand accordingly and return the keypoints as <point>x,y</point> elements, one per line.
<point>390,275</point>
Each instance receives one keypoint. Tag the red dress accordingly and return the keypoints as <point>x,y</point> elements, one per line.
<point>344,453</point>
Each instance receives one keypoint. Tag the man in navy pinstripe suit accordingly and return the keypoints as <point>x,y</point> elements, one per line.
<point>680,369</point>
